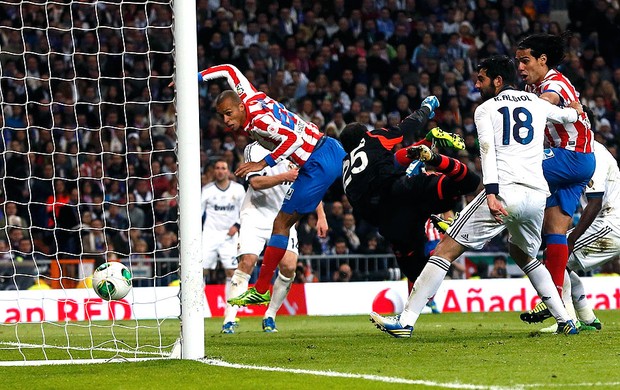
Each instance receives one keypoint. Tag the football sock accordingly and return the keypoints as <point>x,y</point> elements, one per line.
<point>450,167</point>
<point>557,258</point>
<point>229,308</point>
<point>281,286</point>
<point>582,307</point>
<point>567,299</point>
<point>424,288</point>
<point>273,254</point>
<point>541,280</point>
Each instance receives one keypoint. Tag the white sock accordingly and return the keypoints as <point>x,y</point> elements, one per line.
<point>281,286</point>
<point>542,282</point>
<point>584,311</point>
<point>424,288</point>
<point>567,298</point>
<point>235,286</point>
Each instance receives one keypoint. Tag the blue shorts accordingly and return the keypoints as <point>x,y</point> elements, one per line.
<point>315,177</point>
<point>567,173</point>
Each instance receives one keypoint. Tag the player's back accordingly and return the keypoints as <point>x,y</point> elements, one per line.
<point>266,202</point>
<point>269,123</point>
<point>514,121</point>
<point>370,166</point>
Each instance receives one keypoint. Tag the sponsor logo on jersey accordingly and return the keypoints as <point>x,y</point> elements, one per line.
<point>228,207</point>
<point>465,237</point>
<point>289,193</point>
<point>548,153</point>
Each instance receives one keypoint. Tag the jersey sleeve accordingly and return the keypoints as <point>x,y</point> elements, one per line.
<point>237,81</point>
<point>554,87</point>
<point>558,114</point>
<point>486,137</point>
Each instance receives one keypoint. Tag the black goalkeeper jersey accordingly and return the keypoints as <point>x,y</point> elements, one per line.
<point>370,167</point>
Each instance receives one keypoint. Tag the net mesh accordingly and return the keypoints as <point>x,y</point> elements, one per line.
<point>88,175</point>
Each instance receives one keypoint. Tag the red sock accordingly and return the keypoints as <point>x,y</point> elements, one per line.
<point>557,258</point>
<point>271,259</point>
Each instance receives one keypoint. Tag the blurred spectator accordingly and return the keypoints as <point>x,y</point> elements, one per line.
<point>343,274</point>
<point>499,268</point>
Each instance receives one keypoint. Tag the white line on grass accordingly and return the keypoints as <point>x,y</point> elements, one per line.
<point>389,379</point>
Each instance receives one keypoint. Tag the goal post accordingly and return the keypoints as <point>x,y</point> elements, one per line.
<point>192,297</point>
<point>99,161</point>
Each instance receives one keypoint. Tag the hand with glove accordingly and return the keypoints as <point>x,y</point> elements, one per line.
<point>432,103</point>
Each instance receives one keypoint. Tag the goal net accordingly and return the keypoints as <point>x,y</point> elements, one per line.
<point>88,174</point>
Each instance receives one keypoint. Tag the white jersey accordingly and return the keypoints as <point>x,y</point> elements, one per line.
<point>222,207</point>
<point>264,204</point>
<point>606,182</point>
<point>513,154</point>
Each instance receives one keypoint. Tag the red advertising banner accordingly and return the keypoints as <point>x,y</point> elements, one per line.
<point>294,304</point>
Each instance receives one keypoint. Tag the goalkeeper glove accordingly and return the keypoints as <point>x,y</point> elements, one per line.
<point>432,103</point>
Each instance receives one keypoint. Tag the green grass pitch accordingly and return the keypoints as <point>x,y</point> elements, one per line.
<point>463,351</point>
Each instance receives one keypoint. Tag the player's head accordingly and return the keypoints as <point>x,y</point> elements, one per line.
<point>495,73</point>
<point>231,108</point>
<point>351,135</point>
<point>537,54</point>
<point>220,171</point>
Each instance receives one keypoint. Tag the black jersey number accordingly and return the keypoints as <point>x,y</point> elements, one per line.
<point>356,163</point>
<point>522,120</point>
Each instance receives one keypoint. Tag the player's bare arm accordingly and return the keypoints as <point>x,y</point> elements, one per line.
<point>588,215</point>
<point>576,106</point>
<point>321,223</point>
<point>248,167</point>
<point>263,182</point>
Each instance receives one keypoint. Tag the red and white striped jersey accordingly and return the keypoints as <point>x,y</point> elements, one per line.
<point>571,136</point>
<point>282,132</point>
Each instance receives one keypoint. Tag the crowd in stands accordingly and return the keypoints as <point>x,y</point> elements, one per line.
<point>88,136</point>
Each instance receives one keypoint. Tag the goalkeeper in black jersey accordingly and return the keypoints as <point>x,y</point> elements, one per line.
<point>378,187</point>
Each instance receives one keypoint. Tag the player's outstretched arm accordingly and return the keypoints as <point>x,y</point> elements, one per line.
<point>236,79</point>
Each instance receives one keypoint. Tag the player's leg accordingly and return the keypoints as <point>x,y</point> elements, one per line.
<point>318,173</point>
<point>567,174</point>
<point>584,311</point>
<point>281,287</point>
<point>438,137</point>
<point>473,228</point>
<point>228,258</point>
<point>556,225</point>
<point>543,284</point>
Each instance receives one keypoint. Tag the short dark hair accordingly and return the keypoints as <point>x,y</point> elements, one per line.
<point>550,45</point>
<point>351,135</point>
<point>499,65</point>
<point>227,94</point>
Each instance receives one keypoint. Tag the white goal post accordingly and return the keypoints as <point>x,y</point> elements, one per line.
<point>99,161</point>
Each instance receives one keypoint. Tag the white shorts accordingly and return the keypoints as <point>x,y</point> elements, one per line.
<point>475,225</point>
<point>252,239</point>
<point>219,246</point>
<point>599,244</point>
